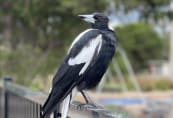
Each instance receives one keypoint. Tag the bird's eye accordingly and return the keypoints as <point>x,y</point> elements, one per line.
<point>97,17</point>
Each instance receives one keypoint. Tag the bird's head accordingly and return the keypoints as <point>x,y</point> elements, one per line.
<point>97,20</point>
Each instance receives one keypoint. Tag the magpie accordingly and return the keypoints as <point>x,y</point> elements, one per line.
<point>84,65</point>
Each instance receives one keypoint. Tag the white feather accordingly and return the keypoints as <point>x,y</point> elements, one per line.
<point>65,106</point>
<point>79,37</point>
<point>66,103</point>
<point>74,93</point>
<point>87,53</point>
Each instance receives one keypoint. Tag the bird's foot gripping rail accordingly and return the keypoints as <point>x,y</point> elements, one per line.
<point>79,110</point>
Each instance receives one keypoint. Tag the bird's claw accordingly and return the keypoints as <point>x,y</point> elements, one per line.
<point>89,106</point>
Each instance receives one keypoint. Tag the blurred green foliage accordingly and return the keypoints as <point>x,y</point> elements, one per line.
<point>151,84</point>
<point>35,34</point>
<point>147,8</point>
<point>146,84</point>
<point>163,84</point>
<point>141,44</point>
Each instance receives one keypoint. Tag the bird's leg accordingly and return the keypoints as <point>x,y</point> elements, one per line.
<point>86,97</point>
<point>89,102</point>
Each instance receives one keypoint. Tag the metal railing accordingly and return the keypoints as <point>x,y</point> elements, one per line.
<point>20,102</point>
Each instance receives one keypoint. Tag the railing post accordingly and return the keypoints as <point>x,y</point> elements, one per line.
<point>5,80</point>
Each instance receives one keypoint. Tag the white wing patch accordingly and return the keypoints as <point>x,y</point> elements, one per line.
<point>78,37</point>
<point>87,53</point>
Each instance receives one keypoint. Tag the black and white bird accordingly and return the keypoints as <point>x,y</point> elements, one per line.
<point>86,62</point>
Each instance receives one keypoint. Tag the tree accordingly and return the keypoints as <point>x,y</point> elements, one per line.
<point>141,44</point>
<point>36,34</point>
<point>148,8</point>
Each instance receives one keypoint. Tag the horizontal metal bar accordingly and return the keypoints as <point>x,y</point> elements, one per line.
<point>35,96</point>
<point>91,112</point>
<point>38,98</point>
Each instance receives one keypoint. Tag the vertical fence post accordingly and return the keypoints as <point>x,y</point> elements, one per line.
<point>5,80</point>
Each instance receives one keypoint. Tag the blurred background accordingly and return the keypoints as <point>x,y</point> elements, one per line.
<point>35,36</point>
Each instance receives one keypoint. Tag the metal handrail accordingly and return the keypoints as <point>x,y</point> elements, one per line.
<point>38,97</point>
<point>35,96</point>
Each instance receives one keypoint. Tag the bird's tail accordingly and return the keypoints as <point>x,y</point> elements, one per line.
<point>66,103</point>
<point>65,106</point>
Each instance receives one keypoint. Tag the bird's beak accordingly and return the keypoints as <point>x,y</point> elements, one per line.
<point>87,18</point>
